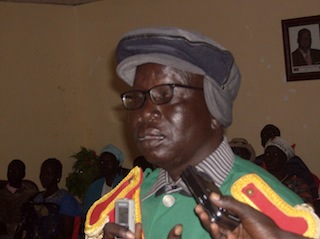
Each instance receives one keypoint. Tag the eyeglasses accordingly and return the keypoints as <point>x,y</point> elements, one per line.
<point>160,94</point>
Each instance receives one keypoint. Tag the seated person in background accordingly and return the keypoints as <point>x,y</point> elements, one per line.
<point>54,213</point>
<point>296,164</point>
<point>277,154</point>
<point>298,167</point>
<point>267,132</point>
<point>242,148</point>
<point>110,161</point>
<point>254,224</point>
<point>142,163</point>
<point>14,195</point>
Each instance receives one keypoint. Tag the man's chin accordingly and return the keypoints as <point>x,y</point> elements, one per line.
<point>155,156</point>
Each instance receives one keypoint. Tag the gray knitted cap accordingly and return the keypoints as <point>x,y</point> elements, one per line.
<point>187,51</point>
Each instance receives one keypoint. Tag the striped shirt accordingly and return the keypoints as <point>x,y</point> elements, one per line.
<point>217,166</point>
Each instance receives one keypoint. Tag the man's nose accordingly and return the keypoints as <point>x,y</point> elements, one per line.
<point>149,111</point>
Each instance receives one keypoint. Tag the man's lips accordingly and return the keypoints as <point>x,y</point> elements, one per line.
<point>150,136</point>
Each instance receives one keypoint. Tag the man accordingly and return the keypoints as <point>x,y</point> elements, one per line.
<point>304,54</point>
<point>14,195</point>
<point>183,87</point>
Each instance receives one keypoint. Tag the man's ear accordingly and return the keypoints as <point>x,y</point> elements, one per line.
<point>215,123</point>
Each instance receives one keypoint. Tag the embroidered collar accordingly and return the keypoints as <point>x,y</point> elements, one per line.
<point>217,166</point>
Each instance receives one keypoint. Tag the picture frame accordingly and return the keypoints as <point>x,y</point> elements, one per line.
<point>308,28</point>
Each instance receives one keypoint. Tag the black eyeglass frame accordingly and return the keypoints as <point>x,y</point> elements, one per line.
<point>145,92</point>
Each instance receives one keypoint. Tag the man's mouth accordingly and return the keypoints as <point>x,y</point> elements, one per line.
<point>150,138</point>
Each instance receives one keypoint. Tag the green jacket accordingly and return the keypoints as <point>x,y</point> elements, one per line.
<point>158,220</point>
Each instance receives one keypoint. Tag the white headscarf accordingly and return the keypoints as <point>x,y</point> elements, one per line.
<point>282,144</point>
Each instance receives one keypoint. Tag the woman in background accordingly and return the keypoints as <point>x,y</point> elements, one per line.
<point>55,213</point>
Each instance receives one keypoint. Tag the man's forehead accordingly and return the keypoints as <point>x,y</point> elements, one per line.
<point>165,74</point>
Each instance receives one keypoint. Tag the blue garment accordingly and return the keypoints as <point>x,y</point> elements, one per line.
<point>95,190</point>
<point>44,215</point>
<point>68,205</point>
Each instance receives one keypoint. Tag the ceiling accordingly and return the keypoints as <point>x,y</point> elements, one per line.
<point>61,2</point>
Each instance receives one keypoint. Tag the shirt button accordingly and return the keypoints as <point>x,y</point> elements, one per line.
<point>168,200</point>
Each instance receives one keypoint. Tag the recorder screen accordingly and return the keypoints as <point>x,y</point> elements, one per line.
<point>123,215</point>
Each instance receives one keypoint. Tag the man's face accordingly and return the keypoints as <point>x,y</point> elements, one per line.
<point>170,134</point>
<point>15,174</point>
<point>304,40</point>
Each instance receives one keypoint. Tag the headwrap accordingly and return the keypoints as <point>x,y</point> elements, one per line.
<point>186,51</point>
<point>115,151</point>
<point>282,144</point>
<point>243,143</point>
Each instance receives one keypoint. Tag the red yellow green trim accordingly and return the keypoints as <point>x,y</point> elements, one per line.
<point>254,191</point>
<point>102,211</point>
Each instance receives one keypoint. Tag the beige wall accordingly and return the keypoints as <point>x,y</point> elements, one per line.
<point>59,90</point>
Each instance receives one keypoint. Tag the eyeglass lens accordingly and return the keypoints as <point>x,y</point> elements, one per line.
<point>160,94</point>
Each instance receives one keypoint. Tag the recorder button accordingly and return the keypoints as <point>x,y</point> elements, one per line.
<point>168,200</point>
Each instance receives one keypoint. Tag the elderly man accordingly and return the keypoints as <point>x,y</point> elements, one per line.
<point>183,88</point>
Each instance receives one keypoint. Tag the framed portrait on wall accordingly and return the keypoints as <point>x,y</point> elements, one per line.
<point>301,42</point>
